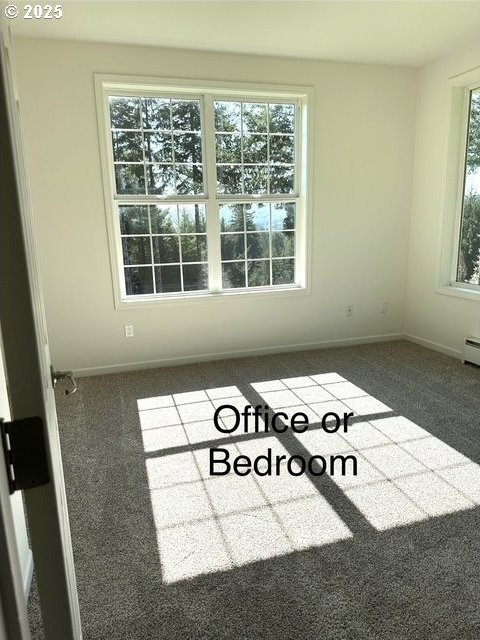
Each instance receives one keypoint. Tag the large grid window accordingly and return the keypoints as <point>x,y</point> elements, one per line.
<point>207,191</point>
<point>468,263</point>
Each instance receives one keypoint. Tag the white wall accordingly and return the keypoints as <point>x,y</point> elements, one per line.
<point>364,125</point>
<point>431,316</point>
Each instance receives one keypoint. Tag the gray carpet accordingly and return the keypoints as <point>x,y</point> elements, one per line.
<point>418,581</point>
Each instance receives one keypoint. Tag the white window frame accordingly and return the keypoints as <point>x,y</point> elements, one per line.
<point>206,92</point>
<point>460,86</point>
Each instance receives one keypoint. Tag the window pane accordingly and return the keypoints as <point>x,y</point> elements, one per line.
<point>160,179</point>
<point>255,149</point>
<point>270,244</point>
<point>255,179</point>
<point>266,152</point>
<point>228,147</point>
<point>283,244</point>
<point>282,149</point>
<point>281,179</point>
<point>468,268</point>
<point>231,217</point>
<point>164,219</point>
<point>195,277</point>
<point>174,243</point>
<point>136,250</point>
<point>170,146</point>
<point>130,179</point>
<point>156,113</point>
<point>186,115</point>
<point>229,179</point>
<point>124,112</point>
<point>233,246</point>
<point>283,216</point>
<point>194,248</point>
<point>192,218</point>
<point>138,280</point>
<point>188,147</point>
<point>233,275</point>
<point>158,147</point>
<point>165,249</point>
<point>283,271</point>
<point>257,217</point>
<point>168,279</point>
<point>258,245</point>
<point>282,118</point>
<point>254,116</point>
<point>189,179</point>
<point>227,116</point>
<point>127,146</point>
<point>258,273</point>
<point>133,220</point>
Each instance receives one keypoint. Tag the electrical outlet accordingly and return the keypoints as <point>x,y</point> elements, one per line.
<point>129,331</point>
<point>384,307</point>
<point>349,311</point>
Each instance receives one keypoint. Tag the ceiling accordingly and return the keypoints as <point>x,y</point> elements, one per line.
<point>404,32</point>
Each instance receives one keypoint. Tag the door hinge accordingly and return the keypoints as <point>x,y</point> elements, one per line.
<point>25,453</point>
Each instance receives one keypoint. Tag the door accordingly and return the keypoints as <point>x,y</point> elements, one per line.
<point>14,622</point>
<point>27,365</point>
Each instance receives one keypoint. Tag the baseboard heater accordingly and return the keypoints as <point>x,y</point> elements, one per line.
<point>471,350</point>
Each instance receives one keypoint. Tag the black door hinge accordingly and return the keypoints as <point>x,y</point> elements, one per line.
<point>25,453</point>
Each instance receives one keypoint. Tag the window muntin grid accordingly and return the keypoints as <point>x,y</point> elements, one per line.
<point>164,248</point>
<point>257,244</point>
<point>157,146</point>
<point>255,147</point>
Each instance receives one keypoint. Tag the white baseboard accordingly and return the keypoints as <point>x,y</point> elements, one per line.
<point>429,344</point>
<point>27,571</point>
<point>241,353</point>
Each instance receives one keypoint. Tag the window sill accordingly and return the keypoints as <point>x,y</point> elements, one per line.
<point>140,301</point>
<point>457,291</point>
